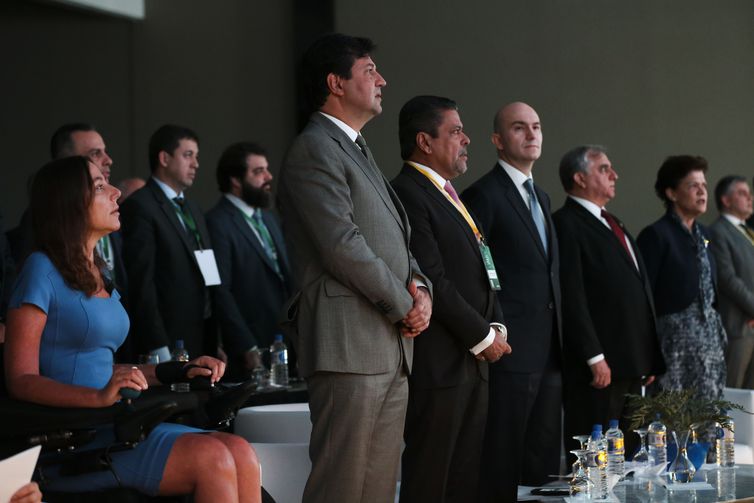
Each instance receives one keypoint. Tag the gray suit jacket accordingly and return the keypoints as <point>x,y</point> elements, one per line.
<point>349,235</point>
<point>734,255</point>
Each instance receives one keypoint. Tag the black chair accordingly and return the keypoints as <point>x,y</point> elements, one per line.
<point>64,433</point>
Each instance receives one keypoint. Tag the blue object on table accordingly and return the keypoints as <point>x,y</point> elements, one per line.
<point>697,452</point>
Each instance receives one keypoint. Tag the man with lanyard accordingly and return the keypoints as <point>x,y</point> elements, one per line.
<point>169,260</point>
<point>448,386</point>
<point>251,256</point>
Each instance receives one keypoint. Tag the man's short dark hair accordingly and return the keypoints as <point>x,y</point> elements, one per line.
<point>167,138</point>
<point>333,53</point>
<point>421,114</point>
<point>61,143</point>
<point>232,163</point>
<point>724,187</point>
<point>673,170</point>
<point>575,161</point>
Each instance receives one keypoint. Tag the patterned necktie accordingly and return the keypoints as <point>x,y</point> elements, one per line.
<point>452,192</point>
<point>536,212</point>
<point>267,243</point>
<point>616,230</point>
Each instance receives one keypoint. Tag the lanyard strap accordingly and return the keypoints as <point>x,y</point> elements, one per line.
<point>460,207</point>
<point>185,216</point>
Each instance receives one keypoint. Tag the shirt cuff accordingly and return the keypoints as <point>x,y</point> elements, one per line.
<point>595,359</point>
<point>487,341</point>
<point>419,281</point>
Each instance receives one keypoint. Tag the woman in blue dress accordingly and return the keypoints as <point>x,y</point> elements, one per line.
<point>63,326</point>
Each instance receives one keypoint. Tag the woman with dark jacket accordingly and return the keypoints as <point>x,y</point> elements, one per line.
<point>682,275</point>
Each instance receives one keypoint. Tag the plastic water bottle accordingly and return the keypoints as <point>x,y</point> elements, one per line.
<point>657,441</point>
<point>725,446</point>
<point>598,463</point>
<point>616,450</point>
<point>279,362</point>
<point>180,354</point>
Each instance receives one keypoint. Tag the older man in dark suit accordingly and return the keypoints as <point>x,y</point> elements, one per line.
<point>251,256</point>
<point>732,245</point>
<point>523,439</point>
<point>609,338</point>
<point>167,251</point>
<point>447,407</point>
<point>359,305</point>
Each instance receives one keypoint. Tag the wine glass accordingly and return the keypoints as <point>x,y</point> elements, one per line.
<point>580,483</point>
<point>642,456</point>
<point>582,439</point>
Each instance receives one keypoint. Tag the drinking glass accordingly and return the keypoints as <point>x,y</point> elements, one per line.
<point>582,439</point>
<point>580,483</point>
<point>642,456</point>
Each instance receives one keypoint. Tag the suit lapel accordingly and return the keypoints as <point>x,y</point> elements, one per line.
<point>604,233</point>
<point>244,229</point>
<point>373,173</point>
<point>516,201</point>
<point>442,201</point>
<point>277,238</point>
<point>170,213</point>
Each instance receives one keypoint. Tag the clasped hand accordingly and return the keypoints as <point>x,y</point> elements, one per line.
<point>417,319</point>
<point>496,350</point>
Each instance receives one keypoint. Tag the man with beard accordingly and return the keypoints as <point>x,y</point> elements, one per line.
<point>251,256</point>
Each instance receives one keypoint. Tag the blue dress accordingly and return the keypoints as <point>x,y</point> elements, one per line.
<point>77,347</point>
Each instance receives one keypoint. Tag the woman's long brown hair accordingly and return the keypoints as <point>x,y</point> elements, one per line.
<point>60,198</point>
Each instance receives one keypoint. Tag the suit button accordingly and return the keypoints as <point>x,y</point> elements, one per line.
<point>550,306</point>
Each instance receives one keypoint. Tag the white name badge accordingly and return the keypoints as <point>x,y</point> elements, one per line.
<point>208,266</point>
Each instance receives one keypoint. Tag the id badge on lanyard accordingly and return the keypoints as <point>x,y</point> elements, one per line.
<point>489,266</point>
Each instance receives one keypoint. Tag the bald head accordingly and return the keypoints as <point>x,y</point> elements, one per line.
<point>517,135</point>
<point>128,187</point>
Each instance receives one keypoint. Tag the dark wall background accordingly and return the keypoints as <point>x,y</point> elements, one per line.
<point>646,78</point>
<point>224,69</point>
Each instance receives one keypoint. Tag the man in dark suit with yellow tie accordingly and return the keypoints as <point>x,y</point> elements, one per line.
<point>448,385</point>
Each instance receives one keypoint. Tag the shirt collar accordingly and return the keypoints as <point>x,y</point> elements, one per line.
<point>518,177</point>
<point>588,206</point>
<point>439,180</point>
<point>169,192</point>
<point>348,130</point>
<point>732,219</point>
<point>240,204</point>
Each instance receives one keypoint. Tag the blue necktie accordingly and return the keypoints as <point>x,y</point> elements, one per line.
<point>536,212</point>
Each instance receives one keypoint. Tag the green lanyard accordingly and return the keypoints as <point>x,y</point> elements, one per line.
<point>267,243</point>
<point>185,216</point>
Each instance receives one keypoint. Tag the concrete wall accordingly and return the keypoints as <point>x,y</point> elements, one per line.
<point>645,78</point>
<point>224,69</point>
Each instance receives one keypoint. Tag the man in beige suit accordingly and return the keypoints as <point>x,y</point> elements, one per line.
<point>362,296</point>
<point>732,243</point>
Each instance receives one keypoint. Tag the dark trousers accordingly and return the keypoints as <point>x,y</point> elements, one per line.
<point>585,406</point>
<point>444,433</point>
<point>523,434</point>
